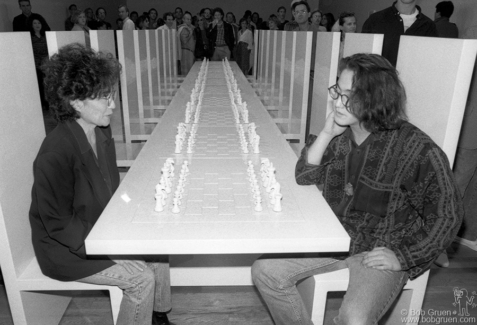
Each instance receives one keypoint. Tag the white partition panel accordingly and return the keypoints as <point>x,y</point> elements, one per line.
<point>326,67</point>
<point>255,56</point>
<point>21,134</point>
<point>437,83</point>
<point>363,43</point>
<point>56,40</point>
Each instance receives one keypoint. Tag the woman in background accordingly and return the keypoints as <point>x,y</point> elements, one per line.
<point>79,18</point>
<point>316,17</point>
<point>244,46</point>
<point>40,51</point>
<point>143,22</point>
<point>328,20</point>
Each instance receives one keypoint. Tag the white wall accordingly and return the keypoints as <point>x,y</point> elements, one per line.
<point>465,13</point>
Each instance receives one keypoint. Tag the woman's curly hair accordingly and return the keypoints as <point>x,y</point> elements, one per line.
<point>77,72</point>
<point>377,98</point>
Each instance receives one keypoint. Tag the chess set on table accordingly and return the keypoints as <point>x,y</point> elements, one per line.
<point>217,128</point>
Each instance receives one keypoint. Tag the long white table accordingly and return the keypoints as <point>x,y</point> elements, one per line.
<point>217,228</point>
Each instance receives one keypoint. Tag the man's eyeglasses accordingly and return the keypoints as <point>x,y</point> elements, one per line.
<point>302,12</point>
<point>335,94</point>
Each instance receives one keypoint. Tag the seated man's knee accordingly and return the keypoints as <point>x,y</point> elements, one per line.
<point>353,316</point>
<point>262,271</point>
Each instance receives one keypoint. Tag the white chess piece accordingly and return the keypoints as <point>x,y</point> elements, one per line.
<point>277,206</point>
<point>258,204</point>
<point>256,144</point>
<point>159,206</point>
<point>175,208</point>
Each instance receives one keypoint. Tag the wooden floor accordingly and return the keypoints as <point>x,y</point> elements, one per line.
<point>243,305</point>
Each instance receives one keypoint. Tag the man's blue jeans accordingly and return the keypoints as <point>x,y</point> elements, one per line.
<point>143,291</point>
<point>370,292</point>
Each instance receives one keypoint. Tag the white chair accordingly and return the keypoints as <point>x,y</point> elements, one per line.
<point>436,103</point>
<point>33,297</point>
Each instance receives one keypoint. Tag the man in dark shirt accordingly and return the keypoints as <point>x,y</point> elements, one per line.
<point>389,185</point>
<point>20,21</point>
<point>221,37</point>
<point>402,18</point>
<point>445,28</point>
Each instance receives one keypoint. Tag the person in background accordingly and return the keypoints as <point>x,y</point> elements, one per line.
<point>248,15</point>
<point>207,14</point>
<point>178,14</point>
<point>230,19</point>
<point>79,18</point>
<point>101,16</point>
<point>153,19</point>
<point>257,20</point>
<point>273,22</point>
<point>389,185</point>
<point>187,42</point>
<point>345,24</point>
<point>281,15</point>
<point>20,22</point>
<point>244,47</point>
<point>202,47</point>
<point>134,16</point>
<point>75,176</point>
<point>101,25</point>
<point>40,52</point>
<point>143,22</point>
<point>315,18</point>
<point>128,24</point>
<point>404,17</point>
<point>301,12</point>
<point>68,22</point>
<point>90,19</point>
<point>119,24</point>
<point>168,18</point>
<point>445,28</point>
<point>221,37</point>
<point>328,20</point>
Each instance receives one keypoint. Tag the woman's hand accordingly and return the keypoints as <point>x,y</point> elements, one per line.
<point>132,266</point>
<point>382,258</point>
<point>331,128</point>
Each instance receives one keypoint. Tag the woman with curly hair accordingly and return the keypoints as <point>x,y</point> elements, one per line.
<point>75,175</point>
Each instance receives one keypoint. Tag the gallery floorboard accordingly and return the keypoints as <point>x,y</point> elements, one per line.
<point>243,305</point>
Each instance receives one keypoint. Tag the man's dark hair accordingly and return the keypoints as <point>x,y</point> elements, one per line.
<point>178,8</point>
<point>149,12</point>
<point>344,15</point>
<point>202,11</point>
<point>71,6</point>
<point>218,9</point>
<point>282,7</point>
<point>24,1</point>
<point>125,7</point>
<point>167,14</point>
<point>97,11</point>
<point>445,8</point>
<point>377,97</point>
<point>296,4</point>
